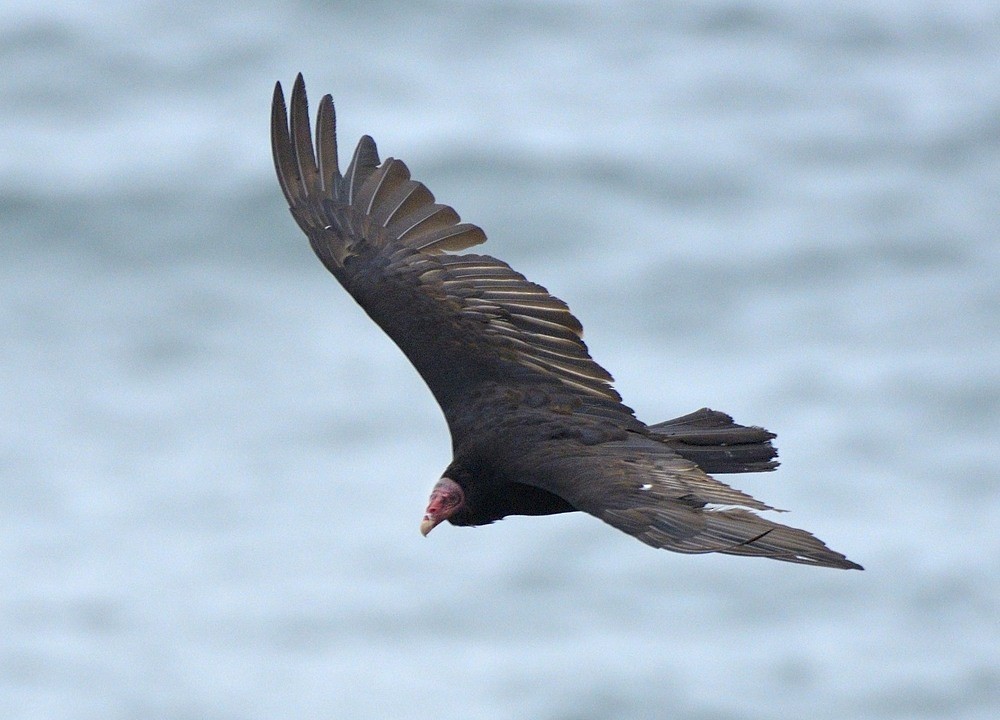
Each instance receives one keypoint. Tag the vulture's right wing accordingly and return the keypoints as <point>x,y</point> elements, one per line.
<point>462,320</point>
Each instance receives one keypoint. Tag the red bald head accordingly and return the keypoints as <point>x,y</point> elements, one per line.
<point>446,498</point>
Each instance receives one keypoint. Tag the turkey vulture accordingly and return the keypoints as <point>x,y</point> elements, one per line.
<point>536,426</point>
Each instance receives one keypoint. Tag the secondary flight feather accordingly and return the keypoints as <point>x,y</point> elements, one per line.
<point>536,426</point>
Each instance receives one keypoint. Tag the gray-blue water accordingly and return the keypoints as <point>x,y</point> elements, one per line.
<point>212,465</point>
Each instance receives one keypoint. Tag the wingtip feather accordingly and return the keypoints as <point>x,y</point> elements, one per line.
<point>281,147</point>
<point>301,134</point>
<point>326,143</point>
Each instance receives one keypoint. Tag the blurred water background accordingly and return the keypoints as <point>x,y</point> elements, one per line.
<point>212,465</point>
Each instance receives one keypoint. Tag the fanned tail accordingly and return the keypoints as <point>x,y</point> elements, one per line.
<point>716,444</point>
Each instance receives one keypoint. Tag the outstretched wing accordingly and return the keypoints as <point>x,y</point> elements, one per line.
<point>646,490</point>
<point>464,321</point>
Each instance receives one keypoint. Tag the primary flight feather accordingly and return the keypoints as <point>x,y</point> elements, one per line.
<point>536,426</point>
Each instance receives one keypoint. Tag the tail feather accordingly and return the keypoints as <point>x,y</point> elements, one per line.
<point>716,444</point>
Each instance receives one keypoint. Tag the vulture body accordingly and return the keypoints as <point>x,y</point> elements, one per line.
<point>536,426</point>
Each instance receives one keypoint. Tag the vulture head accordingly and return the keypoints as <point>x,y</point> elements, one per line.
<point>447,498</point>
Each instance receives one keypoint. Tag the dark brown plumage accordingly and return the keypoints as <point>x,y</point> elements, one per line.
<point>536,426</point>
